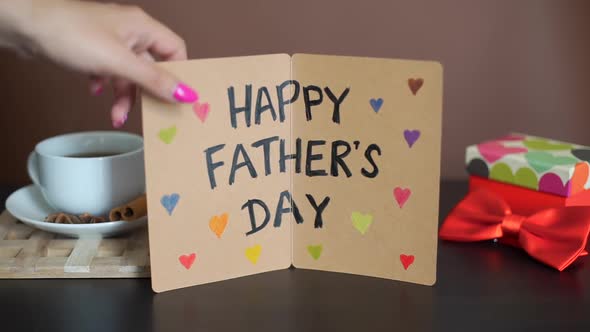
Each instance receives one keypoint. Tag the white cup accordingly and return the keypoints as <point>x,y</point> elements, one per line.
<point>94,185</point>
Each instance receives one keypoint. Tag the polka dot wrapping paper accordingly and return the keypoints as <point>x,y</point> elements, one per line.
<point>536,163</point>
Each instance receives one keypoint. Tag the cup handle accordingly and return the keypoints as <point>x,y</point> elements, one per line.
<point>32,168</point>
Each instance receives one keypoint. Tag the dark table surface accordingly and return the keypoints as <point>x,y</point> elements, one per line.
<point>480,287</point>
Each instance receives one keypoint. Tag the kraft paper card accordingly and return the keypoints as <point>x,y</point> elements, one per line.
<point>323,162</point>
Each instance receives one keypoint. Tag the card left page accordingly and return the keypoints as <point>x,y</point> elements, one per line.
<point>212,190</point>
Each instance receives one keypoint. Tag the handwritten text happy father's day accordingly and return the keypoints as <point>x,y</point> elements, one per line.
<point>248,113</point>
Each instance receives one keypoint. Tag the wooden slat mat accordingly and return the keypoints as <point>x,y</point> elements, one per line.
<point>29,253</point>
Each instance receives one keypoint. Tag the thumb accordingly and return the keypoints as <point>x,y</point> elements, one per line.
<point>153,78</point>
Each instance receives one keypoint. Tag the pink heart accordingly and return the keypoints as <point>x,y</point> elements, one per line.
<point>201,111</point>
<point>492,151</point>
<point>551,183</point>
<point>401,195</point>
<point>187,260</point>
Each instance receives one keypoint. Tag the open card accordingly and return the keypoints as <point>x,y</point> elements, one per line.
<point>324,162</point>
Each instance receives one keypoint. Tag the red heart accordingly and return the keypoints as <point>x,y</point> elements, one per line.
<point>401,195</point>
<point>187,260</point>
<point>406,260</point>
<point>415,84</point>
<point>492,151</point>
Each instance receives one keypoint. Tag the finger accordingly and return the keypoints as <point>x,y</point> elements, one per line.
<point>97,85</point>
<point>150,76</point>
<point>163,43</point>
<point>124,97</point>
<point>120,110</point>
<point>147,57</point>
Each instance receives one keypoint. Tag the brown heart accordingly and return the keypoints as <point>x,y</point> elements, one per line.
<point>415,84</point>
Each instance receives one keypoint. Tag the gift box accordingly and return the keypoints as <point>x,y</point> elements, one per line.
<point>539,164</point>
<point>528,192</point>
<point>524,201</point>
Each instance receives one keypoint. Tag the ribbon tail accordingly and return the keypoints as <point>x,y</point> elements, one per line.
<point>557,237</point>
<point>570,261</point>
<point>557,255</point>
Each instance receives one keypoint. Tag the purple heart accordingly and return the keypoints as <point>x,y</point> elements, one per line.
<point>411,136</point>
<point>551,183</point>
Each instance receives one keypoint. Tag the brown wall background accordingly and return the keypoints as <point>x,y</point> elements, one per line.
<point>509,65</point>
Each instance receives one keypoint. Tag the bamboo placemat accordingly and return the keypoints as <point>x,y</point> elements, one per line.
<point>29,253</point>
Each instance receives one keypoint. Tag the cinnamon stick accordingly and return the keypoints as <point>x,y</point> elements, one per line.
<point>131,211</point>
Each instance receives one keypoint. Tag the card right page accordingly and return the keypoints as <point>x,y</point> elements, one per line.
<point>368,135</point>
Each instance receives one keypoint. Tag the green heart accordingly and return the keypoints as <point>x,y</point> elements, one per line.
<point>543,144</point>
<point>315,251</point>
<point>525,177</point>
<point>361,221</point>
<point>542,161</point>
<point>167,134</point>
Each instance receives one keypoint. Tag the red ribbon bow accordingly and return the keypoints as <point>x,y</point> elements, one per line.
<point>556,237</point>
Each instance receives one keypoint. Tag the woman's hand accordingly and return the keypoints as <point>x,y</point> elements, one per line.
<point>111,43</point>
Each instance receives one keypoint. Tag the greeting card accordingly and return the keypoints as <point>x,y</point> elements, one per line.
<point>322,162</point>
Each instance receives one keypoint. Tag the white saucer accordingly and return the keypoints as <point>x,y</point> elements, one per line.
<point>28,205</point>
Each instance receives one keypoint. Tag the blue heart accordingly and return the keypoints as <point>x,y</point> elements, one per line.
<point>376,104</point>
<point>169,202</point>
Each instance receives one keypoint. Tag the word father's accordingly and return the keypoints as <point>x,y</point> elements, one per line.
<point>304,153</point>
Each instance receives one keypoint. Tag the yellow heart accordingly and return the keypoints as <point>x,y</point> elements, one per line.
<point>217,224</point>
<point>253,253</point>
<point>361,221</point>
<point>167,134</point>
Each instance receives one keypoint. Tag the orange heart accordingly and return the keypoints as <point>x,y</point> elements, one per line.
<point>218,224</point>
<point>580,177</point>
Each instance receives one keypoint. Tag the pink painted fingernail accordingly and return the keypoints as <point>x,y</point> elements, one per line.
<point>184,94</point>
<point>119,123</point>
<point>97,90</point>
